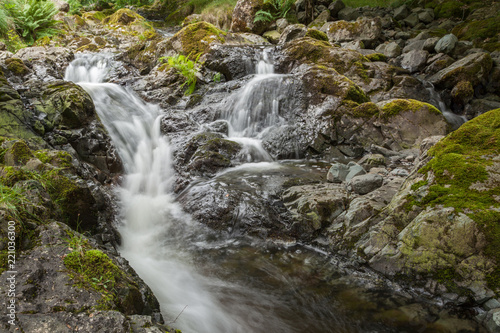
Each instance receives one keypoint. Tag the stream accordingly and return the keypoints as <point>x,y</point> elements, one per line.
<point>207,281</point>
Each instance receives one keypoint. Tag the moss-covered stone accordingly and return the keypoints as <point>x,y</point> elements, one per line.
<point>452,8</point>
<point>18,154</point>
<point>317,34</point>
<point>16,66</point>
<point>397,106</point>
<point>196,38</point>
<point>376,57</point>
<point>482,32</point>
<point>465,176</point>
<point>56,158</point>
<point>366,110</point>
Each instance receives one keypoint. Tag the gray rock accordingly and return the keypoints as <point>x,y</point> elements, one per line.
<point>364,29</point>
<point>392,50</point>
<point>430,43</point>
<point>479,106</point>
<point>412,20</point>
<point>372,160</point>
<point>281,24</point>
<point>491,304</point>
<point>339,172</point>
<point>399,172</point>
<point>414,44</point>
<point>348,14</point>
<point>364,184</point>
<point>335,7</point>
<point>320,20</point>
<point>493,321</point>
<point>401,12</point>
<point>446,44</point>
<point>292,32</point>
<point>414,60</point>
<point>427,16</point>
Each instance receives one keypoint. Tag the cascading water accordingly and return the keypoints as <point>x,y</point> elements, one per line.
<point>154,227</point>
<point>256,110</point>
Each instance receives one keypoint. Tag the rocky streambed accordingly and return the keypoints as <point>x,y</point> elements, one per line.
<point>319,184</point>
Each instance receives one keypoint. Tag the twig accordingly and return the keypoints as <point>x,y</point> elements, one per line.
<point>172,322</point>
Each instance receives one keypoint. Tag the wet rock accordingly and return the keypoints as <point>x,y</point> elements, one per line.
<point>243,17</point>
<point>474,68</point>
<point>292,32</point>
<point>462,94</point>
<point>366,30</point>
<point>414,60</point>
<point>446,44</point>
<point>234,63</point>
<point>339,172</point>
<point>364,184</point>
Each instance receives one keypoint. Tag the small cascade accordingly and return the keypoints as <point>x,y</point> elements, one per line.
<point>256,109</point>
<point>454,119</point>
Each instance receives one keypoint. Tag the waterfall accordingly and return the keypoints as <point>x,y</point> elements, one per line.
<point>256,110</point>
<point>155,230</point>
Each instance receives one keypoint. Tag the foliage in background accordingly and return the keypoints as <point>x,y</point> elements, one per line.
<point>278,9</point>
<point>186,68</point>
<point>30,19</point>
<point>377,3</point>
<point>76,6</point>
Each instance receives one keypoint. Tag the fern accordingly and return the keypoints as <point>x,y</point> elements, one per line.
<point>187,68</point>
<point>34,18</point>
<point>279,8</point>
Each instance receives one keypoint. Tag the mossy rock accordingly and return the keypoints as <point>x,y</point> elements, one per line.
<point>16,66</point>
<point>67,104</point>
<point>215,154</point>
<point>196,39</point>
<point>397,106</point>
<point>123,16</point>
<point>317,34</point>
<point>376,57</point>
<point>323,81</point>
<point>57,158</point>
<point>451,9</point>
<point>366,110</point>
<point>483,32</point>
<point>313,51</point>
<point>18,154</point>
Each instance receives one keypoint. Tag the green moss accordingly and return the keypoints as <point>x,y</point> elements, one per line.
<point>419,184</point>
<point>16,66</point>
<point>397,106</point>
<point>366,110</point>
<point>460,165</point>
<point>317,34</point>
<point>94,269</point>
<point>196,38</point>
<point>57,158</point>
<point>463,91</point>
<point>20,152</point>
<point>123,16</point>
<point>356,94</point>
<point>376,57</point>
<point>451,8</point>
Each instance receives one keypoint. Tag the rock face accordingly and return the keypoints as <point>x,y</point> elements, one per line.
<point>244,14</point>
<point>439,223</point>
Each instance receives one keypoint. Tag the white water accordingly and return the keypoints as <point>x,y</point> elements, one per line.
<point>256,110</point>
<point>155,230</point>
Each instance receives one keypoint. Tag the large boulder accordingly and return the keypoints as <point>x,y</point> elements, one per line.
<point>366,30</point>
<point>474,68</point>
<point>441,224</point>
<point>244,14</point>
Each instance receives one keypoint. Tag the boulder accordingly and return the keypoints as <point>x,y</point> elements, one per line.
<point>412,20</point>
<point>426,16</point>
<point>366,30</point>
<point>348,14</point>
<point>244,14</point>
<point>364,184</point>
<point>281,24</point>
<point>292,32</point>
<point>438,225</point>
<point>401,12</point>
<point>446,44</point>
<point>390,50</point>
<point>272,36</point>
<point>195,39</point>
<point>339,172</point>
<point>335,7</point>
<point>474,68</point>
<point>414,60</point>
<point>320,20</point>
<point>313,207</point>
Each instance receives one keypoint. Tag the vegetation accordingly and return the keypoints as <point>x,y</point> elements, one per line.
<point>278,9</point>
<point>377,3</point>
<point>187,68</point>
